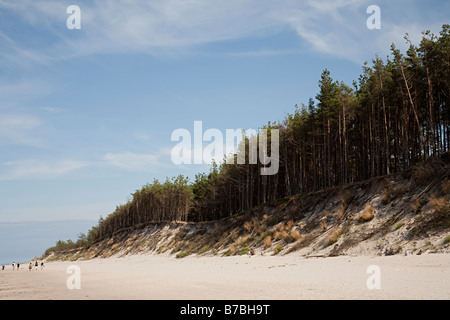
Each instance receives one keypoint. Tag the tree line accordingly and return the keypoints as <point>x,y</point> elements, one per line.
<point>394,116</point>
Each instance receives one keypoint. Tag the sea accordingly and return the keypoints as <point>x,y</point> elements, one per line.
<point>23,241</point>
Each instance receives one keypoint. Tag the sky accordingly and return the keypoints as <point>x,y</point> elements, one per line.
<point>86,115</point>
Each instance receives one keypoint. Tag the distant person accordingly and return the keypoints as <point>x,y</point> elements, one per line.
<point>36,265</point>
<point>30,267</point>
<point>3,267</point>
<point>14,266</point>
<point>42,265</point>
<point>18,265</point>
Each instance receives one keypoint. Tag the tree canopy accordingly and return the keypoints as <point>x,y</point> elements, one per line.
<point>394,116</point>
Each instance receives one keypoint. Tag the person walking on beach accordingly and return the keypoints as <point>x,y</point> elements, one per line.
<point>36,265</point>
<point>30,267</point>
<point>42,265</point>
<point>14,266</point>
<point>18,265</point>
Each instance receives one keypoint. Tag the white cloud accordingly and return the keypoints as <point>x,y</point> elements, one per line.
<point>13,93</point>
<point>336,28</point>
<point>38,169</point>
<point>264,53</point>
<point>52,110</point>
<point>143,26</point>
<point>44,169</point>
<point>140,135</point>
<point>133,161</point>
<point>18,129</point>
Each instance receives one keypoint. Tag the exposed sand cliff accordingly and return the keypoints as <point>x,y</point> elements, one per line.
<point>407,213</point>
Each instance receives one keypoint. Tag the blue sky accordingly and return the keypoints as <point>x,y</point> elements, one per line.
<point>86,115</point>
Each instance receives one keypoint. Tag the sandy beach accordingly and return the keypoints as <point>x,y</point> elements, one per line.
<point>240,277</point>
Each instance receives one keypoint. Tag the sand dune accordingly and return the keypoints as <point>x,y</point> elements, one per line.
<point>240,277</point>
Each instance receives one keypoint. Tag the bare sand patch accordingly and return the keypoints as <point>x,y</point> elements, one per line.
<point>239,277</point>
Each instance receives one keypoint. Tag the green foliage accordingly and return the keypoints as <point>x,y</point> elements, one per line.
<point>63,246</point>
<point>277,249</point>
<point>168,201</point>
<point>446,239</point>
<point>399,225</point>
<point>182,254</point>
<point>244,251</point>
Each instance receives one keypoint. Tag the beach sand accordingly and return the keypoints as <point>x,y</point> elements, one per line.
<point>288,277</point>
